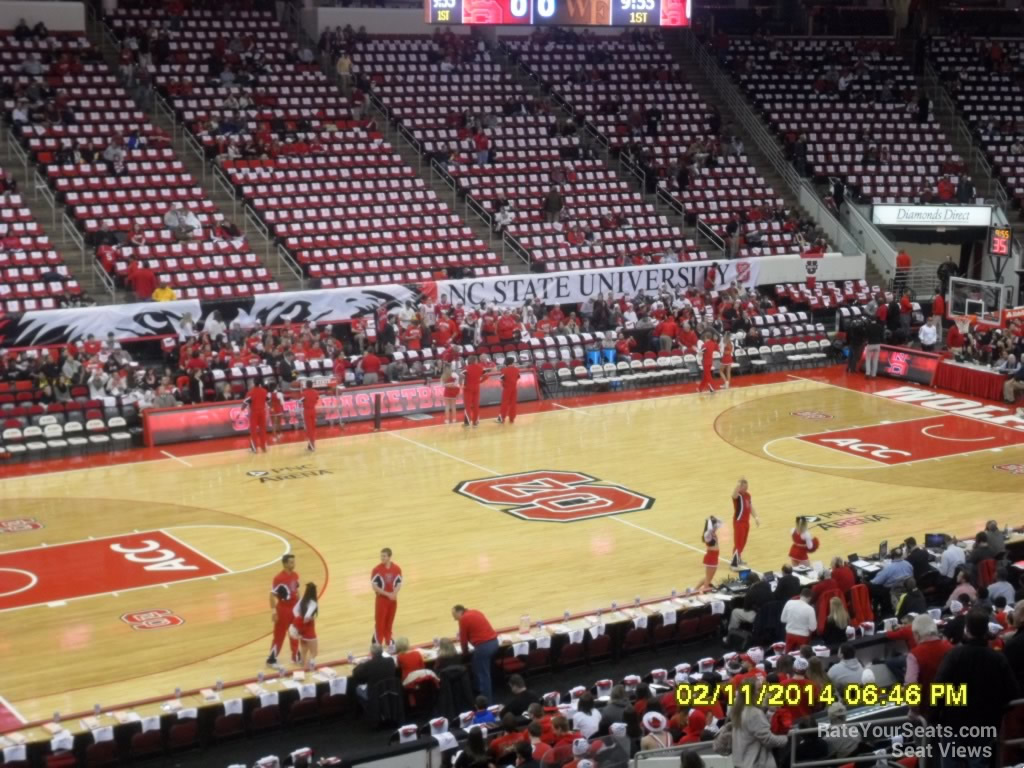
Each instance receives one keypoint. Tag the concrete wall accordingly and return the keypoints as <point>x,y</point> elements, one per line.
<point>58,17</point>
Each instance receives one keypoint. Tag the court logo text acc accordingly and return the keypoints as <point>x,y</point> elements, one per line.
<point>554,496</point>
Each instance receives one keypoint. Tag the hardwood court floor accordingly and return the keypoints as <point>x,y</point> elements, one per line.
<point>193,544</point>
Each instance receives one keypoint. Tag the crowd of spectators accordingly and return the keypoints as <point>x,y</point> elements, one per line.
<point>364,350</point>
<point>978,642</point>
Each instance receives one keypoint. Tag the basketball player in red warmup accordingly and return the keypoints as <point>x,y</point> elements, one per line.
<point>284,594</point>
<point>708,364</point>
<point>256,402</point>
<point>471,378</point>
<point>742,511</point>
<point>386,580</point>
<point>509,391</point>
<point>310,398</point>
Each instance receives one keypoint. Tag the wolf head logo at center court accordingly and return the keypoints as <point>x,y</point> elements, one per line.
<point>556,496</point>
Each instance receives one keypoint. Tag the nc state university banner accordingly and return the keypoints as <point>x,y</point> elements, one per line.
<point>162,426</point>
<point>334,305</point>
<point>580,285</point>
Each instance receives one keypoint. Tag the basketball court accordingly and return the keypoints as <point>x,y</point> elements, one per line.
<point>137,579</point>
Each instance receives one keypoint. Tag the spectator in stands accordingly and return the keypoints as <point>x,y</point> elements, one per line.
<point>22,32</point>
<point>482,715</point>
<point>20,116</point>
<point>982,550</point>
<point>928,336</point>
<point>615,708</point>
<point>375,669</point>
<point>522,697</point>
<point>587,717</point>
<point>952,557</point>
<point>1014,648</point>
<point>995,537</point>
<point>946,270</point>
<point>916,556</point>
<point>911,601</point>
<point>946,190</point>
<point>923,660</point>
<point>848,670</point>
<point>141,279</point>
<point>965,192</point>
<point>163,291</point>
<point>752,739</point>
<point>800,620</point>
<point>979,668</point>
<point>836,623</point>
<point>554,202</point>
<point>474,753</point>
<point>177,221</point>
<point>893,575</point>
<point>657,737</point>
<point>788,586</point>
<point>476,630</point>
<point>903,265</point>
<point>1001,587</point>
<point>963,588</point>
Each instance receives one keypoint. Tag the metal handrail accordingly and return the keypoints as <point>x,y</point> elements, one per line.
<point>221,180</point>
<point>104,279</point>
<point>1013,705</point>
<point>42,188</point>
<point>517,248</point>
<point>285,257</point>
<point>709,234</point>
<point>197,149</point>
<point>868,758</point>
<point>15,149</point>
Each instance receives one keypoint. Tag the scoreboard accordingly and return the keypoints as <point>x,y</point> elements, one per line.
<point>603,13</point>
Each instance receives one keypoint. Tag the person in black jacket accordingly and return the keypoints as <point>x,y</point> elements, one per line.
<point>522,697</point>
<point>874,334</point>
<point>856,334</point>
<point>1014,648</point>
<point>373,670</point>
<point>989,681</point>
<point>912,600</point>
<point>917,557</point>
<point>760,592</point>
<point>788,586</point>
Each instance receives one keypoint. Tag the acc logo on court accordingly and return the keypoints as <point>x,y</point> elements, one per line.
<point>555,496</point>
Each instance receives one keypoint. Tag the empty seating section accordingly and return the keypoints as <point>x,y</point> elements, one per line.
<point>108,200</point>
<point>587,74</point>
<point>855,102</point>
<point>984,78</point>
<point>437,107</point>
<point>32,274</point>
<point>326,185</point>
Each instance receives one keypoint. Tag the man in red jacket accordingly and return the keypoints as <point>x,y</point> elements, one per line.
<point>471,379</point>
<point>476,630</point>
<point>708,364</point>
<point>509,391</point>
<point>924,657</point>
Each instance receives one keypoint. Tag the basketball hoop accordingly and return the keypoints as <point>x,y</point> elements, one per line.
<point>963,323</point>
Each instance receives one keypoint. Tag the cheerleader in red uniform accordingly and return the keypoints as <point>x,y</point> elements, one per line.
<point>725,370</point>
<point>276,411</point>
<point>304,626</point>
<point>803,543</point>
<point>451,392</point>
<point>710,536</point>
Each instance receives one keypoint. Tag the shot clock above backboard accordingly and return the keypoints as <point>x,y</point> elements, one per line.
<point>604,13</point>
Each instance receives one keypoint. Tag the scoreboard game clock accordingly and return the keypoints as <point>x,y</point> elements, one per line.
<point>601,13</point>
